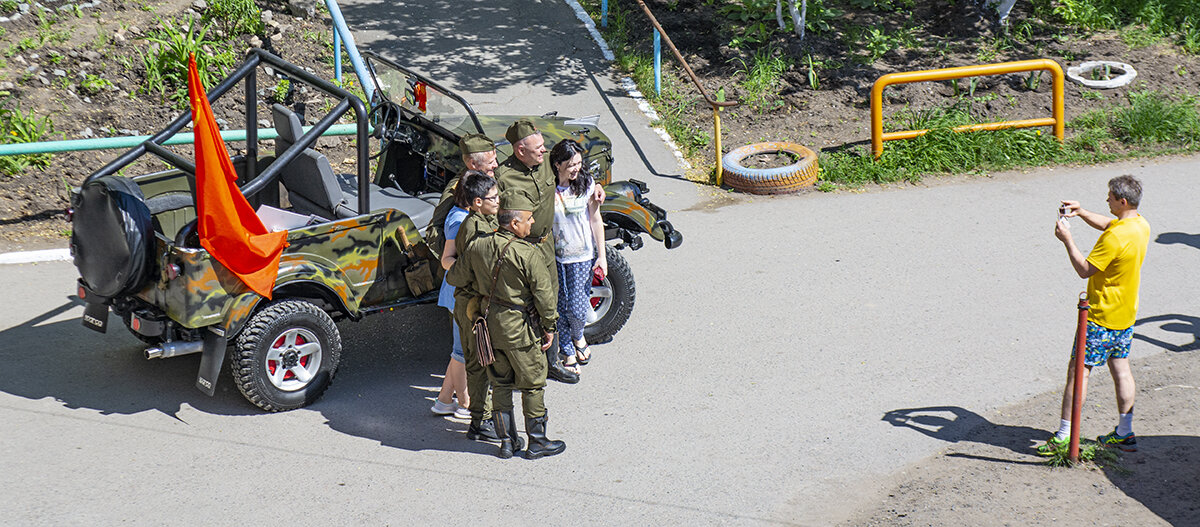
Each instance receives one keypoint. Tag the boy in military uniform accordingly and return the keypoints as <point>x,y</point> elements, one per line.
<point>481,221</point>
<point>520,335</point>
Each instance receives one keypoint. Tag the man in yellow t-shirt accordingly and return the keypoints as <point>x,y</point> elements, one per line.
<point>1114,271</point>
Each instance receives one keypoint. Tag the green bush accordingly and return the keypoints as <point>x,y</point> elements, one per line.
<point>235,16</point>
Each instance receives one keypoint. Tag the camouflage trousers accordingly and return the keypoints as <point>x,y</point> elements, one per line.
<point>520,369</point>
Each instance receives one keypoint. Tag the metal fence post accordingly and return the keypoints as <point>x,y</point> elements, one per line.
<point>657,62</point>
<point>603,13</point>
<point>337,56</point>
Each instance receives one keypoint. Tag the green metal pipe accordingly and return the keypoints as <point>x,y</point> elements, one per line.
<point>102,143</point>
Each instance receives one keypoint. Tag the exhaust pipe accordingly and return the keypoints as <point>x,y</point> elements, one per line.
<point>174,348</point>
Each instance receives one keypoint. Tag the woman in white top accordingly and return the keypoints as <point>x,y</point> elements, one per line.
<point>578,249</point>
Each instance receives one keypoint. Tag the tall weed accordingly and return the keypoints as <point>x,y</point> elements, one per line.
<point>763,76</point>
<point>19,127</point>
<point>235,16</point>
<point>167,63</point>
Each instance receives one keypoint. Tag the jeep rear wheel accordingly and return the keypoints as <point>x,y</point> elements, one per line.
<point>286,356</point>
<point>611,299</point>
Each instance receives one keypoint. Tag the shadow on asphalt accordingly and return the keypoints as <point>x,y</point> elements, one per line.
<point>1183,238</point>
<point>1182,324</point>
<point>954,424</point>
<point>391,371</point>
<point>482,48</point>
<point>106,372</point>
<point>382,391</point>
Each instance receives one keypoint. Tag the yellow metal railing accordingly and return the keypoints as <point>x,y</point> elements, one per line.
<point>878,136</point>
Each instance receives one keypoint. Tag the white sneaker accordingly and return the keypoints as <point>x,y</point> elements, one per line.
<point>441,408</point>
<point>462,413</point>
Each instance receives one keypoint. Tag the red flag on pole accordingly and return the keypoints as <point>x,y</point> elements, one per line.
<point>228,227</point>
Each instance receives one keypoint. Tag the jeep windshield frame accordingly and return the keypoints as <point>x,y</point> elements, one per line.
<point>255,181</point>
<point>442,108</point>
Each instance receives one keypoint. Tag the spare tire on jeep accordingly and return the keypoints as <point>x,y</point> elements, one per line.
<point>112,235</point>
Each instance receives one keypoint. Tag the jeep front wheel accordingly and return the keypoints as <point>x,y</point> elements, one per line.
<point>611,299</point>
<point>286,355</point>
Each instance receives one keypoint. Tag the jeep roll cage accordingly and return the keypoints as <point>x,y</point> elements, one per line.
<point>256,182</point>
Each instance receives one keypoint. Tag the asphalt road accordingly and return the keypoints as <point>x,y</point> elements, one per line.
<point>748,387</point>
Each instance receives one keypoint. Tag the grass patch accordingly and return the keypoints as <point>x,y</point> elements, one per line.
<point>167,62</point>
<point>941,151</point>
<point>763,76</point>
<point>1148,123</point>
<point>1089,452</point>
<point>236,17</point>
<point>19,127</point>
<point>1177,19</point>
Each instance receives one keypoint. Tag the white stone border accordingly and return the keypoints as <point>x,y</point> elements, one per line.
<point>49,255</point>
<point>627,83</point>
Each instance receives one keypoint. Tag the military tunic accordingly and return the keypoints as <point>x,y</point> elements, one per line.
<point>539,184</point>
<point>523,280</point>
<point>472,227</point>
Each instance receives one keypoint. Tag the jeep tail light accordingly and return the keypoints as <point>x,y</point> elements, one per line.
<point>82,293</point>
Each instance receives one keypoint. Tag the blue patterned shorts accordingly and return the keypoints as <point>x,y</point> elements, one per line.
<point>1104,344</point>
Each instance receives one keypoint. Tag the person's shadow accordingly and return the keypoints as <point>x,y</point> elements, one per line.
<point>1183,238</point>
<point>1184,324</point>
<point>1162,475</point>
<point>954,424</point>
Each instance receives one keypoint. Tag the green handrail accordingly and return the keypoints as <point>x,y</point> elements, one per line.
<point>102,143</point>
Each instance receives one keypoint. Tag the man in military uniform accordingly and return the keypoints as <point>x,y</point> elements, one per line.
<point>521,317</point>
<point>478,153</point>
<point>525,170</point>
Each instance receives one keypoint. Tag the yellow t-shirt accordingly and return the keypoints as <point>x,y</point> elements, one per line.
<point>1113,290</point>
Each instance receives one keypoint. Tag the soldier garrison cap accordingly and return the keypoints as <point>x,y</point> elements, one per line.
<point>514,199</point>
<point>475,143</point>
<point>520,130</point>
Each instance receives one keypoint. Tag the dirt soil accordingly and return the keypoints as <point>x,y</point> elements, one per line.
<point>32,203</point>
<point>989,475</point>
<point>838,113</point>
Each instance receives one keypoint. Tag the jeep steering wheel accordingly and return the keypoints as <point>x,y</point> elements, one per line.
<point>387,118</point>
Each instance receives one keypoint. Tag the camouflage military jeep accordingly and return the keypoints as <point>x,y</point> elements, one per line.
<point>355,241</point>
<point>420,123</point>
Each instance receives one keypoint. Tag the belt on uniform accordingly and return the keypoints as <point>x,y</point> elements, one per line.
<point>536,239</point>
<point>503,304</point>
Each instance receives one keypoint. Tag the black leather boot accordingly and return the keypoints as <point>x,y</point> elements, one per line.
<point>539,445</point>
<point>555,369</point>
<point>501,429</point>
<point>482,430</point>
<point>518,443</point>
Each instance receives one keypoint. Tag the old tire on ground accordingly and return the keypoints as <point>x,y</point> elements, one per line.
<point>286,355</point>
<point>612,299</point>
<point>780,180</point>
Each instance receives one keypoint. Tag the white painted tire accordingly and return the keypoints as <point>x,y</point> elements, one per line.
<point>1077,73</point>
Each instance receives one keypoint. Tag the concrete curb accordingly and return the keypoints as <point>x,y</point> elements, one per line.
<point>48,255</point>
<point>627,83</point>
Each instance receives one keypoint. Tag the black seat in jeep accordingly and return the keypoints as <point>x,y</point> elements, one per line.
<point>313,188</point>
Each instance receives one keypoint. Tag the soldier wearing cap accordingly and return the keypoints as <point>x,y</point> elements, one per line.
<point>478,153</point>
<point>521,316</point>
<point>525,170</point>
